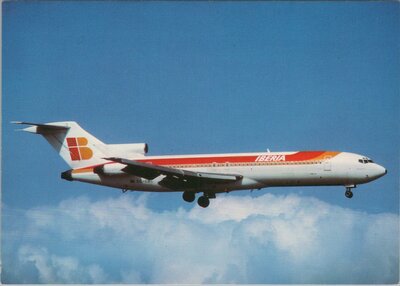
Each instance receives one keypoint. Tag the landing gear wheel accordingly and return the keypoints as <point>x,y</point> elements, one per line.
<point>203,201</point>
<point>348,194</point>
<point>188,196</point>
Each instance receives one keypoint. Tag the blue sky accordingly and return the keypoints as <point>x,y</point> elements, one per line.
<point>201,77</point>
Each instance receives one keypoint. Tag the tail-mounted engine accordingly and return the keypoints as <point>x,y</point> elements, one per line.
<point>110,169</point>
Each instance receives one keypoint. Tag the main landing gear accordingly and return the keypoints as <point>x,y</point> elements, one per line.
<point>203,201</point>
<point>349,193</point>
<point>189,196</point>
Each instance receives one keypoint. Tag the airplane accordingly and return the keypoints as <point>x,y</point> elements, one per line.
<point>127,167</point>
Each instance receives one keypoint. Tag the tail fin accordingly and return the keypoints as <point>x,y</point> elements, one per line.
<point>76,146</point>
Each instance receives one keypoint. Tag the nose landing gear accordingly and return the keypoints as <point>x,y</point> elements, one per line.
<point>349,193</point>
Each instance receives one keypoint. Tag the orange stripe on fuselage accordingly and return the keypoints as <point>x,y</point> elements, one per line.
<point>326,155</point>
<point>303,156</point>
<point>83,170</point>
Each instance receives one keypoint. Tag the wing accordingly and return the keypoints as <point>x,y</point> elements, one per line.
<point>175,178</point>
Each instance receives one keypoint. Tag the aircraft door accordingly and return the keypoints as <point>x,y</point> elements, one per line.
<point>327,164</point>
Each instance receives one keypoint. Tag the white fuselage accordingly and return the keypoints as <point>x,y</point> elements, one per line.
<point>127,167</point>
<point>259,170</point>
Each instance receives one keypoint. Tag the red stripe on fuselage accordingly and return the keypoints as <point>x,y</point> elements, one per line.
<point>199,160</point>
<point>299,156</point>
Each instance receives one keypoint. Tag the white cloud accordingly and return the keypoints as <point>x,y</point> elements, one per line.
<point>39,257</point>
<point>57,269</point>
<point>269,239</point>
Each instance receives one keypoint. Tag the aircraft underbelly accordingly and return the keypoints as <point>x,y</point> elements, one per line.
<point>254,177</point>
<point>123,182</point>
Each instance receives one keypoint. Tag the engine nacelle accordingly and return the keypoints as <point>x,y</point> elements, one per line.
<point>110,169</point>
<point>127,150</point>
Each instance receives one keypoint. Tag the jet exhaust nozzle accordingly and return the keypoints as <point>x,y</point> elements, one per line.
<point>67,175</point>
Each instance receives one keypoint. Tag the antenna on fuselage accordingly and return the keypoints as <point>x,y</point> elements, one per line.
<point>268,150</point>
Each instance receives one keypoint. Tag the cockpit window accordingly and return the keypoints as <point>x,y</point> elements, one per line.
<point>365,161</point>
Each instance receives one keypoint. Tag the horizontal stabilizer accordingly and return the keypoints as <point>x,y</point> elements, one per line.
<point>40,128</point>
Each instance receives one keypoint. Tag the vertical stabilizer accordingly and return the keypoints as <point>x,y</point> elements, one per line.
<point>76,146</point>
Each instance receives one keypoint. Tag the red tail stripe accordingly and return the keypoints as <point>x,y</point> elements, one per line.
<point>74,153</point>
<point>71,141</point>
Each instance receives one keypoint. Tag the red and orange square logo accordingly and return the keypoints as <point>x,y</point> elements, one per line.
<point>78,150</point>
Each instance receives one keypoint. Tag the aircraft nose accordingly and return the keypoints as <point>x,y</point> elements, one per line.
<point>379,171</point>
